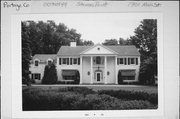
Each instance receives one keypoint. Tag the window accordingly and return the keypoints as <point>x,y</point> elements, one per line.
<point>49,62</point>
<point>36,63</point>
<point>36,76</point>
<point>128,77</point>
<point>98,60</point>
<point>75,61</point>
<point>132,60</point>
<point>64,61</point>
<point>121,61</point>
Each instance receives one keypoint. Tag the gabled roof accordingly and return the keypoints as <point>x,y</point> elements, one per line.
<point>44,57</point>
<point>127,50</point>
<point>71,51</point>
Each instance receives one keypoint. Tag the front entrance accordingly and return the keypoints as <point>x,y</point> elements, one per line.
<point>98,77</point>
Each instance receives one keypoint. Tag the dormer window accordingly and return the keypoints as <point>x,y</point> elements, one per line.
<point>36,62</point>
<point>49,62</point>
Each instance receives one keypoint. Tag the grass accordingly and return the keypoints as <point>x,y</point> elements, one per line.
<point>83,98</point>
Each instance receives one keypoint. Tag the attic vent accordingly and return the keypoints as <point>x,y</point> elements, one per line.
<point>98,48</point>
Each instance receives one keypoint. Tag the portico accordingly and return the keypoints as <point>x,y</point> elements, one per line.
<point>94,66</point>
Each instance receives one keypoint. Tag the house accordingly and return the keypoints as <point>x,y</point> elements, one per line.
<point>38,63</point>
<point>96,64</point>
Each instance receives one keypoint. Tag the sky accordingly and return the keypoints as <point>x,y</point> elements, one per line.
<point>99,26</point>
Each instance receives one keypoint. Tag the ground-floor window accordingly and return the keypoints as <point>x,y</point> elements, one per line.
<point>36,76</point>
<point>71,75</point>
<point>126,75</point>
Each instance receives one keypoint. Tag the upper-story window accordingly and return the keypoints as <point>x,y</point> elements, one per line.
<point>64,60</point>
<point>132,61</point>
<point>36,62</point>
<point>74,60</point>
<point>69,61</point>
<point>120,60</point>
<point>128,61</point>
<point>98,60</point>
<point>49,62</point>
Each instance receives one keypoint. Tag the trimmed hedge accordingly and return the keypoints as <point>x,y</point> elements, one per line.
<point>131,95</point>
<point>75,98</point>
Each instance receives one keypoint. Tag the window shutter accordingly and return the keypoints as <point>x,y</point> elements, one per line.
<point>78,61</point>
<point>128,61</point>
<point>67,61</point>
<point>70,61</point>
<point>125,62</point>
<point>59,61</point>
<point>118,61</point>
<point>136,61</point>
<point>39,76</point>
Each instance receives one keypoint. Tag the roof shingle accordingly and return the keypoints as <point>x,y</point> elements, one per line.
<point>127,50</point>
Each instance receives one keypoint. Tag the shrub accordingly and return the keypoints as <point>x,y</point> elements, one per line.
<point>131,95</point>
<point>50,74</point>
<point>76,98</point>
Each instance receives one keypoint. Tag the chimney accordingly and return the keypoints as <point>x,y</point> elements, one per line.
<point>72,44</point>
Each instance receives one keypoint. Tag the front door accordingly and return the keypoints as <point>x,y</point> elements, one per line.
<point>98,76</point>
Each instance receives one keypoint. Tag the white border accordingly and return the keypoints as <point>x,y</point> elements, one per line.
<point>17,85</point>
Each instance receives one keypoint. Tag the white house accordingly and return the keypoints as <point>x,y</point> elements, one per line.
<point>96,64</point>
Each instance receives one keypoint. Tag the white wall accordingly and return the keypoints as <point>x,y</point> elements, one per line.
<point>37,69</point>
<point>85,68</point>
<point>64,67</point>
<point>111,68</point>
<point>130,67</point>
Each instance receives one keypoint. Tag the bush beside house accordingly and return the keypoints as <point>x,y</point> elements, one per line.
<point>50,74</point>
<point>76,98</point>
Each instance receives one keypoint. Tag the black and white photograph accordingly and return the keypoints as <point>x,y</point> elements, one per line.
<point>89,59</point>
<point>93,61</point>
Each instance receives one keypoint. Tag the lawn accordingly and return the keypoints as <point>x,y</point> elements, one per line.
<point>91,98</point>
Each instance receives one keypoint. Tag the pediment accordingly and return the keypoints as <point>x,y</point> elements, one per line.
<point>98,49</point>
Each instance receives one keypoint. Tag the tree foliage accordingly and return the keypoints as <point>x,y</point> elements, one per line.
<point>48,37</point>
<point>25,54</point>
<point>44,38</point>
<point>50,74</point>
<point>145,39</point>
<point>110,42</point>
<point>88,43</point>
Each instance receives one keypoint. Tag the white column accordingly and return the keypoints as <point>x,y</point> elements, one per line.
<point>116,71</point>
<point>81,69</point>
<point>105,69</point>
<point>91,70</point>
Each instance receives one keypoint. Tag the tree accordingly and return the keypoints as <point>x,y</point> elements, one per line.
<point>124,42</point>
<point>50,74</point>
<point>88,43</point>
<point>26,54</point>
<point>48,37</point>
<point>110,42</point>
<point>145,39</point>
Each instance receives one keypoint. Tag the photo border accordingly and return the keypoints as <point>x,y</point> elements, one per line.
<point>17,83</point>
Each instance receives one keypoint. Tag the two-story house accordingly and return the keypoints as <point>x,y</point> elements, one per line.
<point>96,64</point>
